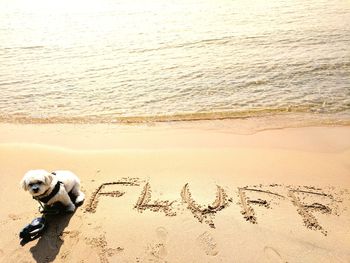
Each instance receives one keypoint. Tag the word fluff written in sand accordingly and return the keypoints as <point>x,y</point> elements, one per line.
<point>308,201</point>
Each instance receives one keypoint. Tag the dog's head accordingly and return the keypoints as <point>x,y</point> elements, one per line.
<point>37,182</point>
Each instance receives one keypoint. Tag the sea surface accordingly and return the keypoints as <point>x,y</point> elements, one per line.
<point>131,61</point>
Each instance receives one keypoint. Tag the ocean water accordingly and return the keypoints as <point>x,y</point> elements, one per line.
<point>112,61</point>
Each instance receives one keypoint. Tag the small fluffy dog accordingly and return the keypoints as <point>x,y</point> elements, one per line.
<point>50,188</point>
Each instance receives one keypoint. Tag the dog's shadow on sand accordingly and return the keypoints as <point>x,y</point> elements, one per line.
<point>50,241</point>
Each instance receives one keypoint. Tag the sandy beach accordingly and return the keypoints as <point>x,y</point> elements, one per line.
<point>202,131</point>
<point>177,194</point>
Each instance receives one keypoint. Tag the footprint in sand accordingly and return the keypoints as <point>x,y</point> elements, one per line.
<point>162,234</point>
<point>208,244</point>
<point>158,251</point>
<point>273,255</point>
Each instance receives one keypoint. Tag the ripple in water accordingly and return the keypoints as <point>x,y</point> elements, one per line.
<point>132,61</point>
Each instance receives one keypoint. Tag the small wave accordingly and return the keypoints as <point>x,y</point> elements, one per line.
<point>182,117</point>
<point>328,67</point>
<point>8,83</point>
<point>31,47</point>
<point>23,47</point>
<point>189,44</point>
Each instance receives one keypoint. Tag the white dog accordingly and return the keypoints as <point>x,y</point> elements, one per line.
<point>50,188</point>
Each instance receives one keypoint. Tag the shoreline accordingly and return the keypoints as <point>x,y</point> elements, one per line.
<point>239,124</point>
<point>182,194</point>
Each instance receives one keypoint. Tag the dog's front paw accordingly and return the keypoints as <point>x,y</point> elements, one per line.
<point>43,208</point>
<point>70,208</point>
<point>80,199</point>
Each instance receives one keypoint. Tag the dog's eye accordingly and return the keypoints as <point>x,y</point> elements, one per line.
<point>30,184</point>
<point>39,183</point>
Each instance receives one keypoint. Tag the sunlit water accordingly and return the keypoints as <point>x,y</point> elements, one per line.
<point>142,60</point>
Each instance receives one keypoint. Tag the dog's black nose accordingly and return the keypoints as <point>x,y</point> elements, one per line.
<point>36,190</point>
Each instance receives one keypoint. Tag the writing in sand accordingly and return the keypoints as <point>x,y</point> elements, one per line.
<point>308,201</point>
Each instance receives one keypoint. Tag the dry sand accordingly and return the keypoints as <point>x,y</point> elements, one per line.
<point>182,194</point>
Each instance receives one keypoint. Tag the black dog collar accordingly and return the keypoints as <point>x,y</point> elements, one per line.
<point>52,194</point>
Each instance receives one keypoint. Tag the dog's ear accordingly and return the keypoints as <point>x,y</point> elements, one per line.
<point>23,184</point>
<point>48,179</point>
